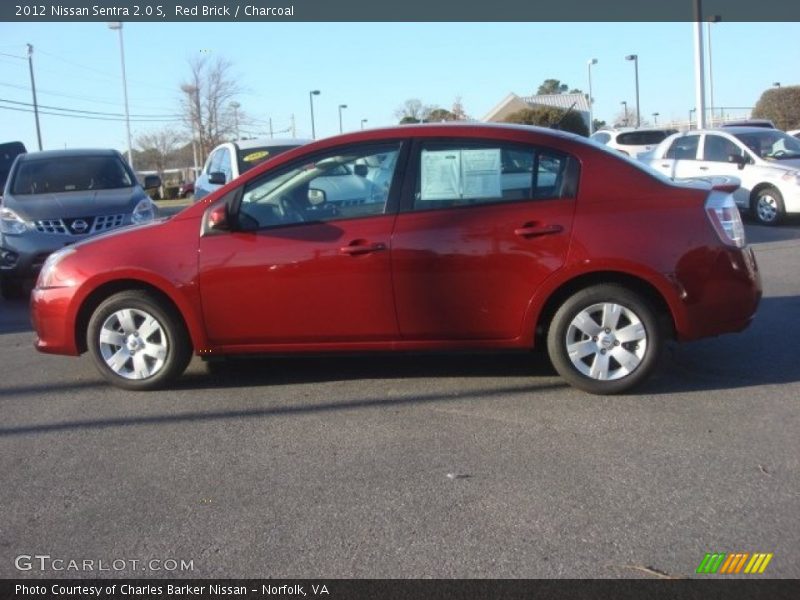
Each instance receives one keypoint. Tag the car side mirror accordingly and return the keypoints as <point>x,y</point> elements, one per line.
<point>737,159</point>
<point>216,178</point>
<point>361,170</point>
<point>152,181</point>
<point>217,218</point>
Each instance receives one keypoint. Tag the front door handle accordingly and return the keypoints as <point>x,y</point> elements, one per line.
<point>704,168</point>
<point>358,247</point>
<point>532,230</point>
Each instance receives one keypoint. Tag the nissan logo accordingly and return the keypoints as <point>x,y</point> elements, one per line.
<point>79,226</point>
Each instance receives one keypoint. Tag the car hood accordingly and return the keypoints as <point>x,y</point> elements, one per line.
<point>69,205</point>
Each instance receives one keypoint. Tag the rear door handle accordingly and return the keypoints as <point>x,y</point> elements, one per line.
<point>531,230</point>
<point>358,247</point>
<point>704,168</point>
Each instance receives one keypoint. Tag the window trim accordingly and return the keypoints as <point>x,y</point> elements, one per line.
<point>408,193</point>
<point>392,201</point>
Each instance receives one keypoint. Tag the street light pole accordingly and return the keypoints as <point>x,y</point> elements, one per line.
<point>311,95</point>
<point>341,106</point>
<point>635,59</point>
<point>33,90</point>
<point>625,107</point>
<point>655,118</point>
<point>362,123</point>
<point>235,106</point>
<point>699,68</point>
<point>118,26</point>
<point>711,21</point>
<point>589,63</point>
<point>190,91</point>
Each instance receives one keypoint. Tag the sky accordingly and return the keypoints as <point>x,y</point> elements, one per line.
<point>371,67</point>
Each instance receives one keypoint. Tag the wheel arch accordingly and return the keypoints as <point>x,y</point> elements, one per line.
<point>108,289</point>
<point>544,316</point>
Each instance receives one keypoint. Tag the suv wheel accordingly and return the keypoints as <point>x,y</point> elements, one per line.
<point>137,341</point>
<point>767,206</point>
<point>605,339</point>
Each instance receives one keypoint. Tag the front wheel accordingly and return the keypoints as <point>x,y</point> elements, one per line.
<point>767,206</point>
<point>137,341</point>
<point>605,339</point>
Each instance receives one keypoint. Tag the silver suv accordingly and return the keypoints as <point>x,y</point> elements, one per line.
<point>56,198</point>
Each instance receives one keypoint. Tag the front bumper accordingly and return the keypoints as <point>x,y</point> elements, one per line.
<point>53,320</point>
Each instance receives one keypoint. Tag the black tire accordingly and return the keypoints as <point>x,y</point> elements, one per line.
<point>604,348</point>
<point>767,206</point>
<point>12,289</point>
<point>170,338</point>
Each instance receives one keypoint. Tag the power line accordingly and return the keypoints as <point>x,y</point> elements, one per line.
<point>62,95</point>
<point>92,118</point>
<point>90,112</point>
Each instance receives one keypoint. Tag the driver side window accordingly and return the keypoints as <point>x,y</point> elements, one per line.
<point>346,183</point>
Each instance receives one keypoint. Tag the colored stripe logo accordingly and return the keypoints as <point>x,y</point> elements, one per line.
<point>734,563</point>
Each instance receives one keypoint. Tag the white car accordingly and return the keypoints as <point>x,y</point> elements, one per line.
<point>229,160</point>
<point>794,133</point>
<point>632,142</point>
<point>766,161</point>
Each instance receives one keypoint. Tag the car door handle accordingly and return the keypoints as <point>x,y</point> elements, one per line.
<point>358,247</point>
<point>704,168</point>
<point>531,230</point>
<point>666,166</point>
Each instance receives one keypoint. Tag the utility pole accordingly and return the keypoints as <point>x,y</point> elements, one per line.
<point>33,89</point>
<point>271,135</point>
<point>699,69</point>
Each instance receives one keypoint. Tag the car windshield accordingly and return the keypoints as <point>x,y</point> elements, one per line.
<point>771,144</point>
<point>250,157</point>
<point>70,174</point>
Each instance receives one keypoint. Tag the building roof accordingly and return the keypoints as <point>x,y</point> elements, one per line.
<point>562,101</point>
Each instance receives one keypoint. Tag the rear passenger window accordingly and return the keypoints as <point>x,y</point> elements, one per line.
<point>684,148</point>
<point>455,175</point>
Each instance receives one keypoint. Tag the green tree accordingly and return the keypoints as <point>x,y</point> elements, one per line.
<point>552,86</point>
<point>598,124</point>
<point>550,116</point>
<point>781,106</point>
<point>437,115</point>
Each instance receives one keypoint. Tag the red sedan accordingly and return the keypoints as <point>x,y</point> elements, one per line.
<point>460,237</point>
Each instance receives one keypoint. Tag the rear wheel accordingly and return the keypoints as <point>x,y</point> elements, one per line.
<point>767,206</point>
<point>605,339</point>
<point>137,341</point>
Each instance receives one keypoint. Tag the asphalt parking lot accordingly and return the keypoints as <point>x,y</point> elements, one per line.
<point>409,466</point>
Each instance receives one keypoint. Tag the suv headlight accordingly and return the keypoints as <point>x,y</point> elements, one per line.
<point>11,222</point>
<point>144,211</point>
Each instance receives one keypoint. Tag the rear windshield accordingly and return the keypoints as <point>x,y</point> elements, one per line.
<point>70,174</point>
<point>250,157</point>
<point>8,152</point>
<point>644,138</point>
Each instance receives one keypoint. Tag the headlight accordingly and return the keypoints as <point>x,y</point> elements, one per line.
<point>48,276</point>
<point>144,211</point>
<point>11,222</point>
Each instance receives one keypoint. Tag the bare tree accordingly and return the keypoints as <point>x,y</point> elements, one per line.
<point>413,111</point>
<point>206,102</point>
<point>158,148</point>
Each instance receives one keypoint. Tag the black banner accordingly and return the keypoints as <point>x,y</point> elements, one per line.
<point>343,589</point>
<point>407,10</point>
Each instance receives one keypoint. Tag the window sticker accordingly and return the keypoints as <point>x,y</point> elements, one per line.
<point>457,174</point>
<point>254,156</point>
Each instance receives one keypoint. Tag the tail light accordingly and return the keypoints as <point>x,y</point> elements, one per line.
<point>724,216</point>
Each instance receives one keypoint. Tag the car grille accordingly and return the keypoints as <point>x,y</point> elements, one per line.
<point>80,226</point>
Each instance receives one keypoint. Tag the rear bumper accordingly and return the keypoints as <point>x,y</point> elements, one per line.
<point>722,297</point>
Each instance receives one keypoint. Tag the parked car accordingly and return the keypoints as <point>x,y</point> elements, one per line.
<point>763,123</point>
<point>229,160</point>
<point>8,152</point>
<point>55,198</point>
<point>453,256</point>
<point>766,161</point>
<point>632,142</point>
<point>186,190</point>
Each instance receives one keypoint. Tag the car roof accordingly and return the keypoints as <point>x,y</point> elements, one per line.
<point>69,153</point>
<point>269,142</point>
